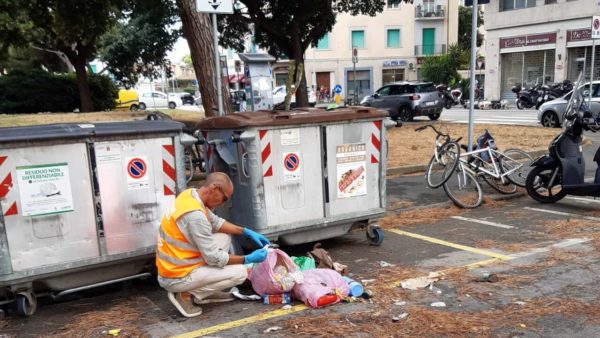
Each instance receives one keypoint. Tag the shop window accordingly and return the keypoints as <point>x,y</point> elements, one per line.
<point>323,42</point>
<point>358,39</point>
<point>580,60</point>
<point>393,3</point>
<point>526,69</point>
<point>363,83</point>
<point>393,38</point>
<point>507,5</point>
<point>392,75</point>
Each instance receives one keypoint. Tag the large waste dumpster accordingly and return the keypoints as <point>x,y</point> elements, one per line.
<point>80,204</point>
<point>303,175</point>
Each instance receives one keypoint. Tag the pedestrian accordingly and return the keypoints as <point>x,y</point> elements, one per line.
<point>242,101</point>
<point>192,253</point>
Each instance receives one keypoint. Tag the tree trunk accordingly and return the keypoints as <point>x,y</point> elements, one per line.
<point>299,74</point>
<point>85,97</point>
<point>197,29</point>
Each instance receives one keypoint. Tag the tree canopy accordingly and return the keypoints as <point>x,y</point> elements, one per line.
<point>465,23</point>
<point>287,28</point>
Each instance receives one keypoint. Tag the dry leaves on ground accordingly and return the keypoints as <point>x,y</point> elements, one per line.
<point>419,216</point>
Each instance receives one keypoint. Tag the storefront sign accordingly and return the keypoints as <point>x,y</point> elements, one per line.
<point>395,63</point>
<point>351,175</point>
<point>528,40</point>
<point>579,34</point>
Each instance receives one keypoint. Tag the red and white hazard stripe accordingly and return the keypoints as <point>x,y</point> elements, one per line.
<point>6,183</point>
<point>375,143</point>
<point>265,153</point>
<point>168,165</point>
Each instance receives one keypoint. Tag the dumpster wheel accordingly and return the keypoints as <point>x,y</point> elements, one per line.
<point>26,303</point>
<point>374,234</point>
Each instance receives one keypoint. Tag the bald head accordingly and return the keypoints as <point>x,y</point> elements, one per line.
<point>220,179</point>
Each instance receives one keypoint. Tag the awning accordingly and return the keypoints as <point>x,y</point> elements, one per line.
<point>236,78</point>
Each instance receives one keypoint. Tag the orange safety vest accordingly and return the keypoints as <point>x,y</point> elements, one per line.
<point>176,257</point>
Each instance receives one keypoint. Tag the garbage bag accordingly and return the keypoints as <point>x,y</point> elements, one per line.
<point>320,283</point>
<point>275,275</point>
<point>304,263</point>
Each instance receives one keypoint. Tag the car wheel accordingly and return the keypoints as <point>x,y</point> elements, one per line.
<point>172,105</point>
<point>142,106</point>
<point>447,104</point>
<point>434,117</point>
<point>404,114</point>
<point>550,120</point>
<point>134,107</point>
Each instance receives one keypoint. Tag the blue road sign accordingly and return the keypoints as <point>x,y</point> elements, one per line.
<point>337,89</point>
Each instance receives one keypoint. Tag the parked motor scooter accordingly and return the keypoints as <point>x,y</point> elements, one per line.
<point>526,97</point>
<point>449,98</point>
<point>561,171</point>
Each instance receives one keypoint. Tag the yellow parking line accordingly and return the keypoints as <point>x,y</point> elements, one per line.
<point>298,308</point>
<point>243,321</point>
<point>452,245</point>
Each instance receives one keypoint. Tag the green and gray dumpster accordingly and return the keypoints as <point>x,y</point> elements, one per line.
<point>80,204</point>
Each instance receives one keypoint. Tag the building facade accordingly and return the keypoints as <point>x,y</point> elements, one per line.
<point>537,41</point>
<point>390,46</point>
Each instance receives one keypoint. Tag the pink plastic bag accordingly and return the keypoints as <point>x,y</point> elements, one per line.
<point>275,275</point>
<point>318,283</point>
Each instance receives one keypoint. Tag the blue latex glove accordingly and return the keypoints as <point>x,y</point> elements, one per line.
<point>256,256</point>
<point>259,239</point>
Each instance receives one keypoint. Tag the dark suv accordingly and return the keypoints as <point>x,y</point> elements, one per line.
<point>405,100</point>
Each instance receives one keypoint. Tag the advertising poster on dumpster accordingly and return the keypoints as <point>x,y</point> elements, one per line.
<point>351,160</point>
<point>45,189</point>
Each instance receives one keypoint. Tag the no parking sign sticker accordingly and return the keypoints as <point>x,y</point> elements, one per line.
<point>137,172</point>
<point>291,166</point>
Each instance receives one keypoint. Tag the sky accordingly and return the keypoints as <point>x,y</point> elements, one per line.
<point>180,49</point>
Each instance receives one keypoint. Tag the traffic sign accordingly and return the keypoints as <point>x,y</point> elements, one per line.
<point>291,161</point>
<point>337,89</point>
<point>215,6</point>
<point>136,168</point>
<point>596,27</point>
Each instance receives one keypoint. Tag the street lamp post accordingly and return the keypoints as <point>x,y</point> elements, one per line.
<point>354,61</point>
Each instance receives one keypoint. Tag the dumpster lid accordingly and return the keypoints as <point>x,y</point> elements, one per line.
<point>281,118</point>
<point>255,57</point>
<point>83,130</point>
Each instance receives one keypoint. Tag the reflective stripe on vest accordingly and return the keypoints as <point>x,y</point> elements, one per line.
<point>176,257</point>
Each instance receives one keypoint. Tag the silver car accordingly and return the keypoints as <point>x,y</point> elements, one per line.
<point>551,113</point>
<point>405,100</point>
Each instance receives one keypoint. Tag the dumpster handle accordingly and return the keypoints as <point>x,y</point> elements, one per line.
<point>244,159</point>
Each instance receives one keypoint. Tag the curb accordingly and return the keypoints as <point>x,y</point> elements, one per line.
<point>411,169</point>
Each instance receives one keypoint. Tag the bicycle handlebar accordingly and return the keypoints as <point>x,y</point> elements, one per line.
<point>432,127</point>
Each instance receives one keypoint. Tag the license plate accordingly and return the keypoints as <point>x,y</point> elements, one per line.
<point>429,103</point>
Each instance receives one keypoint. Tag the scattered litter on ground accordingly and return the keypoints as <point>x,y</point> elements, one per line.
<point>402,303</point>
<point>488,277</point>
<point>520,303</point>
<point>360,260</point>
<point>385,264</point>
<point>438,304</point>
<point>367,281</point>
<point>286,307</point>
<point>420,282</point>
<point>114,332</point>
<point>400,317</point>
<point>236,293</point>
<point>272,329</point>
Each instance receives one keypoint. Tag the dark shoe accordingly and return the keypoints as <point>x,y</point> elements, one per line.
<point>219,297</point>
<point>183,302</point>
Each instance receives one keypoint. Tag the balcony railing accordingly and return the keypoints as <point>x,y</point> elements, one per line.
<point>430,12</point>
<point>423,50</point>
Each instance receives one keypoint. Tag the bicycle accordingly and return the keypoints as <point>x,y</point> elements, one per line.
<point>444,160</point>
<point>503,171</point>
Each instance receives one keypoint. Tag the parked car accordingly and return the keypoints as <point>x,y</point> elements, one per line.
<point>183,98</point>
<point>128,100</point>
<point>405,100</point>
<point>157,100</point>
<point>279,97</point>
<point>551,113</point>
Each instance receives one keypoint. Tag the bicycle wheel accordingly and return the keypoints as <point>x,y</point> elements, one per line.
<point>439,168</point>
<point>506,187</point>
<point>520,161</point>
<point>463,189</point>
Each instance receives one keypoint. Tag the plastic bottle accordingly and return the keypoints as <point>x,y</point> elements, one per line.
<point>356,289</point>
<point>283,298</point>
<point>326,300</point>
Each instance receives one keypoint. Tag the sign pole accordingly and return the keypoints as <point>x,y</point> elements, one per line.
<point>217,65</point>
<point>354,61</point>
<point>472,84</point>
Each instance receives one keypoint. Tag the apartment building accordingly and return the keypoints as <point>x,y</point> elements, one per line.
<point>391,46</point>
<point>531,41</point>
